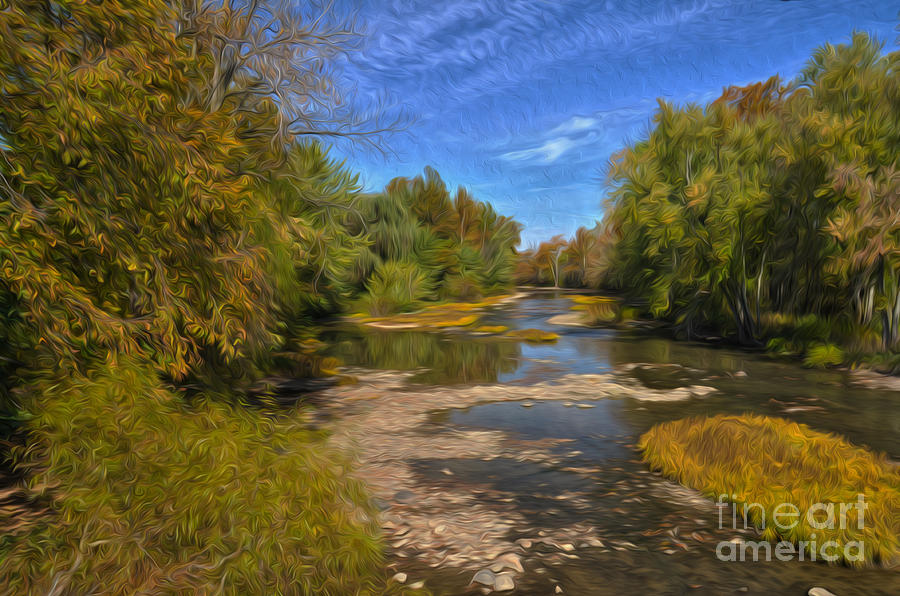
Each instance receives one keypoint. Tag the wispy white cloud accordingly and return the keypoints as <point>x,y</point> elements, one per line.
<point>547,153</point>
<point>579,131</point>
<point>575,124</point>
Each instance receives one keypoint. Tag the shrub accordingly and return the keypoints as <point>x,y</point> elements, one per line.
<point>769,461</point>
<point>822,355</point>
<point>396,287</point>
<point>150,494</point>
<point>461,286</point>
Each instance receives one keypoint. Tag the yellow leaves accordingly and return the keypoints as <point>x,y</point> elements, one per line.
<point>697,194</point>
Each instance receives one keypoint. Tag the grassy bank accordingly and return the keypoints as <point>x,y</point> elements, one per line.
<point>146,492</point>
<point>771,461</point>
<point>454,315</point>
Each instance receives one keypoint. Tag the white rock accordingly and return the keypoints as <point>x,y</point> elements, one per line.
<point>817,591</point>
<point>485,577</point>
<point>400,577</point>
<point>504,582</point>
<point>701,390</point>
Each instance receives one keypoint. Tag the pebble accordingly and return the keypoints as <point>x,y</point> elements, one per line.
<point>504,582</point>
<point>485,577</point>
<point>701,390</point>
<point>508,560</point>
<point>817,591</point>
<point>557,590</point>
<point>418,585</point>
<point>404,496</point>
<point>446,528</point>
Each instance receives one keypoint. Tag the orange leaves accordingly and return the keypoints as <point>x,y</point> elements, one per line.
<point>755,100</point>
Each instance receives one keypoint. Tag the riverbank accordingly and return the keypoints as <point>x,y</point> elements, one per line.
<point>877,368</point>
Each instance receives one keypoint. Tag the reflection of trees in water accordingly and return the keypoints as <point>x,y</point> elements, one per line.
<point>626,349</point>
<point>448,358</point>
<point>773,387</point>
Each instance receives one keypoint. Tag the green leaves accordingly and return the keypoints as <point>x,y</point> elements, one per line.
<point>461,245</point>
<point>772,198</point>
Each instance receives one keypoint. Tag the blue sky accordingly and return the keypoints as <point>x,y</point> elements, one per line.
<point>524,101</point>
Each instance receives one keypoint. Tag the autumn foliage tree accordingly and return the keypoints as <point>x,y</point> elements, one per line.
<point>581,261</point>
<point>774,203</point>
<point>161,229</point>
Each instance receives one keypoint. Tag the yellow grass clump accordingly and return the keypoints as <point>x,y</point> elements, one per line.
<point>457,322</point>
<point>535,336</point>
<point>585,300</point>
<point>761,463</point>
<point>435,316</point>
<point>431,318</point>
<point>492,329</point>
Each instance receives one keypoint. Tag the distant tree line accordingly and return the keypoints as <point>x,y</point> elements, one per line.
<point>577,262</point>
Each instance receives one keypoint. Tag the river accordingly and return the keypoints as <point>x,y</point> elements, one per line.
<point>487,452</point>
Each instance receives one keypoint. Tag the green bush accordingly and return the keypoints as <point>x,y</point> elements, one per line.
<point>149,494</point>
<point>823,355</point>
<point>396,287</point>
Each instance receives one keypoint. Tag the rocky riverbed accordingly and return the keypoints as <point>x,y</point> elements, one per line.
<point>480,510</point>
